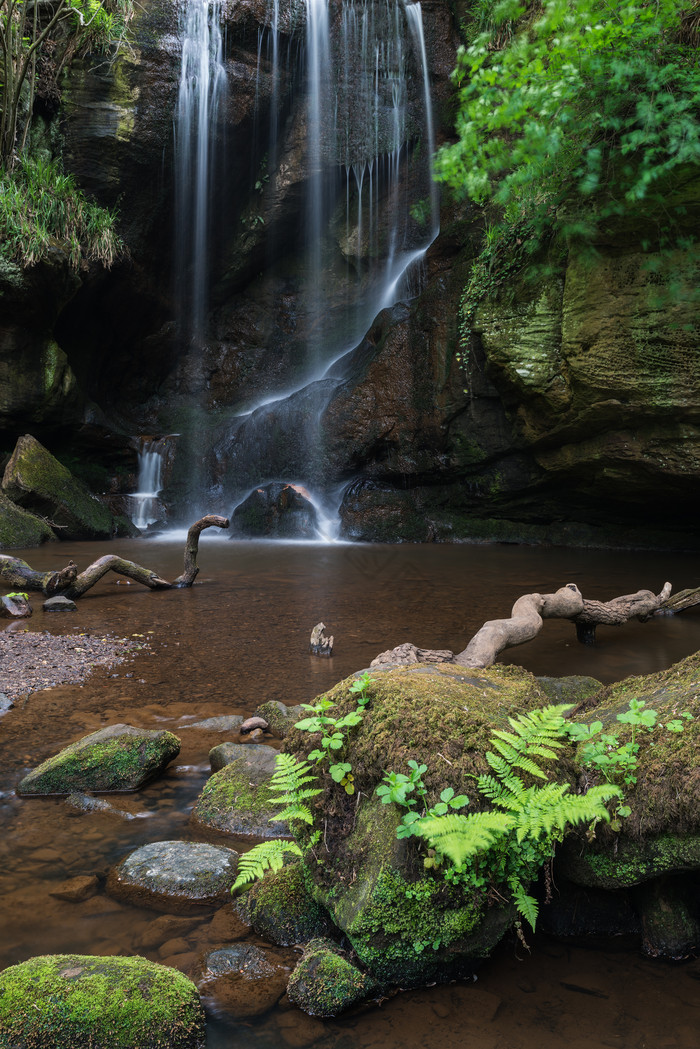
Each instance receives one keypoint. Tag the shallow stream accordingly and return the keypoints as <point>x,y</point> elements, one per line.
<point>240,637</point>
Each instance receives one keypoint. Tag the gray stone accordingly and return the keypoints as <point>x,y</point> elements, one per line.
<point>243,979</point>
<point>175,876</point>
<point>15,606</point>
<point>254,754</point>
<point>59,604</point>
<point>222,723</point>
<point>115,758</point>
<point>5,703</point>
<point>77,1001</point>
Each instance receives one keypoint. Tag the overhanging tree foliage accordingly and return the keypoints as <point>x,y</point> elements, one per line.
<point>573,113</point>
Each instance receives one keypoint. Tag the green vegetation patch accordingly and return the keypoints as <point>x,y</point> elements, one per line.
<point>281,909</point>
<point>236,800</point>
<point>325,983</point>
<point>19,528</point>
<point>84,1002</point>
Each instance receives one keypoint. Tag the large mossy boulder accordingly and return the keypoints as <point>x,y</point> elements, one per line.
<point>84,1002</point>
<point>236,800</point>
<point>35,480</point>
<point>175,876</point>
<point>116,758</point>
<point>406,925</point>
<point>19,528</point>
<point>661,836</point>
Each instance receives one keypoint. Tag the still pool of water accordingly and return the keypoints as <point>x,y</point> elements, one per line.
<point>239,637</point>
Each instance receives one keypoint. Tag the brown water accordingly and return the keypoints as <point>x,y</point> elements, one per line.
<point>239,637</point>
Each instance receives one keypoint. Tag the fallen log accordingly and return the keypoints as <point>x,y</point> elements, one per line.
<point>71,583</point>
<point>526,621</point>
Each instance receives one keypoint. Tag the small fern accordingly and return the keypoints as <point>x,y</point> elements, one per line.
<point>537,816</point>
<point>289,783</point>
<point>268,855</point>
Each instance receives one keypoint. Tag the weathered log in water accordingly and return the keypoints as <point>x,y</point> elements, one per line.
<point>526,621</point>
<point>73,584</point>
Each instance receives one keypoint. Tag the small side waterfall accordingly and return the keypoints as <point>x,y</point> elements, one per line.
<point>154,455</point>
<point>200,95</point>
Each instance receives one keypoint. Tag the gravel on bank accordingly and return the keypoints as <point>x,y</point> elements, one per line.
<point>32,661</point>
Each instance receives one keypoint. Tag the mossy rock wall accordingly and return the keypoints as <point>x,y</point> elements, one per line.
<point>19,528</point>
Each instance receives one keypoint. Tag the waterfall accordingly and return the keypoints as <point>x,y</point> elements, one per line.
<point>146,506</point>
<point>200,94</point>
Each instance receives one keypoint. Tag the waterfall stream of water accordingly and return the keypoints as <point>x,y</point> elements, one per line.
<point>369,144</point>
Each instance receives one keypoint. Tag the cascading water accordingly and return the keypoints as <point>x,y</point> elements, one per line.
<point>370,214</point>
<point>200,96</point>
<point>146,507</point>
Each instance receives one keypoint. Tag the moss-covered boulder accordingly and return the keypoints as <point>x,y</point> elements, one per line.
<point>84,1002</point>
<point>19,528</point>
<point>35,480</point>
<point>175,876</point>
<point>236,800</point>
<point>661,835</point>
<point>116,758</point>
<point>325,982</point>
<point>281,909</point>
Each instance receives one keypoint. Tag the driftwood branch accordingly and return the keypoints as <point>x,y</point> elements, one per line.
<point>72,584</point>
<point>526,621</point>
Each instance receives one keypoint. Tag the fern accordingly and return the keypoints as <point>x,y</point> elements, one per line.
<point>537,816</point>
<point>268,855</point>
<point>289,782</point>
<point>457,837</point>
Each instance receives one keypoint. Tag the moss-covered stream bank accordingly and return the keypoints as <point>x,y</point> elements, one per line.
<point>241,637</point>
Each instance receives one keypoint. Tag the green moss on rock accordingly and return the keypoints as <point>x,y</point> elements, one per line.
<point>325,983</point>
<point>84,1002</point>
<point>116,758</point>
<point>34,479</point>
<point>236,800</point>
<point>281,909</point>
<point>19,528</point>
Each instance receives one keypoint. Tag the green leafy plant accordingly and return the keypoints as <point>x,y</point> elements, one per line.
<point>616,760</point>
<point>396,789</point>
<point>576,112</point>
<point>510,844</point>
<point>290,787</point>
<point>334,731</point>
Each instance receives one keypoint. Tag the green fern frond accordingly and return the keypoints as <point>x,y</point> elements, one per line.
<point>457,837</point>
<point>527,905</point>
<point>268,855</point>
<point>294,812</point>
<point>290,775</point>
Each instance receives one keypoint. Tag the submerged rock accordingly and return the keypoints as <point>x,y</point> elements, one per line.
<point>86,1002</point>
<point>34,479</point>
<point>81,802</point>
<point>243,979</point>
<point>59,604</point>
<point>276,510</point>
<point>175,876</point>
<point>75,890</point>
<point>116,758</point>
<point>236,800</point>
<point>325,983</point>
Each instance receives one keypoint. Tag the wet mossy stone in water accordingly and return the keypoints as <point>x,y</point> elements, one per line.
<point>236,800</point>
<point>280,717</point>
<point>35,480</point>
<point>19,528</point>
<point>264,757</point>
<point>281,909</point>
<point>325,983</point>
<point>116,758</point>
<point>175,876</point>
<point>82,1002</point>
<point>242,979</point>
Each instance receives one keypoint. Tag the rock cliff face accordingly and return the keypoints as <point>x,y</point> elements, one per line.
<point>577,419</point>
